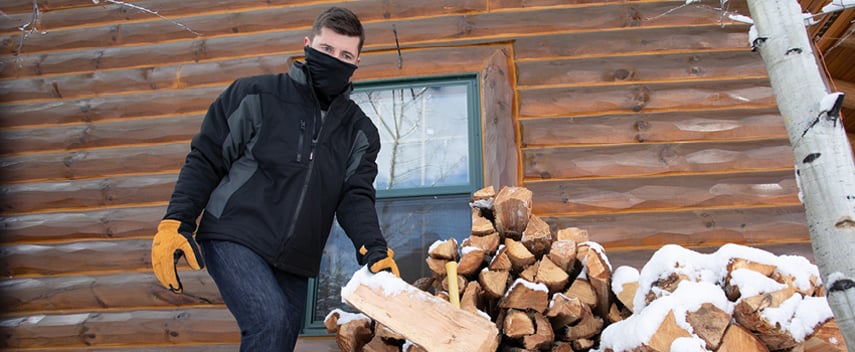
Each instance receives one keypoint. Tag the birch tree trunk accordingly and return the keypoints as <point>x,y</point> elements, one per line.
<point>824,164</point>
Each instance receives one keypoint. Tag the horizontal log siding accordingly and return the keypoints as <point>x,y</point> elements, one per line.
<point>643,125</point>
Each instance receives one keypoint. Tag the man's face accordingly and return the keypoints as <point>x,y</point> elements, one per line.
<point>339,46</point>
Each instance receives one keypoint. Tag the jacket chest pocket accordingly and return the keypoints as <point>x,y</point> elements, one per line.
<point>283,145</point>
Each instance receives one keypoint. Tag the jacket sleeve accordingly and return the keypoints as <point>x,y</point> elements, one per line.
<point>356,211</point>
<point>205,164</point>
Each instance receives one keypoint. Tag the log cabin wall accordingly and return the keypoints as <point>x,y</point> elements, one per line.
<point>644,122</point>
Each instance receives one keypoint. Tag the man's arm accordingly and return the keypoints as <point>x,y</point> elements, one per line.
<point>356,210</point>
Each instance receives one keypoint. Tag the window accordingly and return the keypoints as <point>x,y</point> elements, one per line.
<point>429,165</point>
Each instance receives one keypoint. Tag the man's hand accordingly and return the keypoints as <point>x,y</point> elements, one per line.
<point>168,246</point>
<point>378,259</point>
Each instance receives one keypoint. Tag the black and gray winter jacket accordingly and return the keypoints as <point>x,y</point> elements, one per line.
<point>271,173</point>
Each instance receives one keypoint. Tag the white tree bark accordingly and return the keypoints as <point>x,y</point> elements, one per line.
<point>824,163</point>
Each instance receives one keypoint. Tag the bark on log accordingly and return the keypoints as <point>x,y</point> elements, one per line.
<point>748,313</point>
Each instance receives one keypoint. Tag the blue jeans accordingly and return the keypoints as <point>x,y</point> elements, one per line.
<point>267,303</point>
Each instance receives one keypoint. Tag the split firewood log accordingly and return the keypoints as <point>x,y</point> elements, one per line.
<point>481,226</point>
<point>517,324</point>
<point>790,281</point>
<point>749,313</point>
<point>709,323</point>
<point>543,335</point>
<point>424,283</point>
<point>537,236</point>
<point>564,310</point>
<point>549,274</point>
<point>377,344</point>
<point>563,254</point>
<point>388,334</point>
<point>564,346</point>
<point>666,333</point>
<point>484,194</point>
<point>582,344</point>
<point>826,338</point>
<point>471,298</point>
<point>444,249</point>
<point>489,243</point>
<point>353,335</point>
<point>616,313</point>
<point>409,346</point>
<point>526,295</point>
<point>520,256</point>
<point>530,272</point>
<point>436,266</point>
<point>599,276</point>
<point>627,294</point>
<point>500,261</point>
<point>739,339</point>
<point>732,291</point>
<point>668,283</point>
<point>494,283</point>
<point>470,261</point>
<point>574,234</point>
<point>461,284</point>
<point>512,209</point>
<point>336,317</point>
<point>589,325</point>
<point>581,288</point>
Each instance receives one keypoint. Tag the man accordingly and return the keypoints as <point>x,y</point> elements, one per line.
<point>276,158</point>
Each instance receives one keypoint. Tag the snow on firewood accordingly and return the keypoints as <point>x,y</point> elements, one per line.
<point>695,266</point>
<point>383,281</point>
<point>622,275</point>
<point>638,329</point>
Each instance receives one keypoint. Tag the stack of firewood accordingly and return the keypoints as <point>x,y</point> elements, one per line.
<point>552,291</point>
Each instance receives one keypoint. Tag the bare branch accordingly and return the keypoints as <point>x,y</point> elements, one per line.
<point>27,29</point>
<point>143,9</point>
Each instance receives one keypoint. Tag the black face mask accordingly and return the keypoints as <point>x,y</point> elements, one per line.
<point>329,76</point>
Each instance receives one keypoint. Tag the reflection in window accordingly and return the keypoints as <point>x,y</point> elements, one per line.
<point>424,142</point>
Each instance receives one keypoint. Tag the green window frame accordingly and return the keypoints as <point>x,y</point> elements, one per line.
<point>446,202</point>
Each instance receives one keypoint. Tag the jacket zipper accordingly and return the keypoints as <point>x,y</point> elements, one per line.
<point>300,140</point>
<point>305,189</point>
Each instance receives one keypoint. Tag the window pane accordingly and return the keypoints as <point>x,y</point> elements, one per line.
<point>424,135</point>
<point>410,225</point>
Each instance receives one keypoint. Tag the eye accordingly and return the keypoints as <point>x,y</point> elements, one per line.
<point>348,57</point>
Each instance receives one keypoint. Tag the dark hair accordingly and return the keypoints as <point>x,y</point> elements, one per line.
<point>341,21</point>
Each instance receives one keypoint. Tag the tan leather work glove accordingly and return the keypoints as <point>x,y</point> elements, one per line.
<point>168,246</point>
<point>378,259</point>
